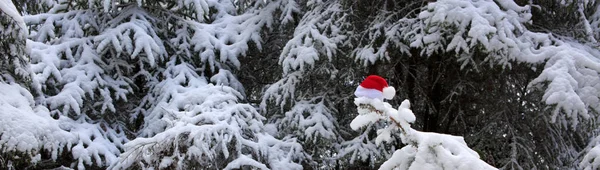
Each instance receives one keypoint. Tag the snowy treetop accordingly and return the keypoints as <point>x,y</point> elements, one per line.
<point>423,150</point>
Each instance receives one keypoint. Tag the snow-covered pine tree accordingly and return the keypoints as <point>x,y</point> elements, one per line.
<point>495,33</point>
<point>307,101</point>
<point>197,124</point>
<point>448,54</point>
<point>28,135</point>
<point>593,17</point>
<point>101,67</point>
<point>113,70</point>
<point>84,55</point>
<point>590,156</point>
<point>13,57</point>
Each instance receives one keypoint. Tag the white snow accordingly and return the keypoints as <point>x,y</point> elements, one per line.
<point>364,119</point>
<point>70,69</point>
<point>497,28</point>
<point>7,7</point>
<point>591,159</point>
<point>226,78</point>
<point>423,150</point>
<point>28,128</point>
<point>316,35</point>
<point>311,119</point>
<point>207,121</point>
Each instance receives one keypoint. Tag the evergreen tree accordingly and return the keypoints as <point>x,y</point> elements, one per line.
<point>268,84</point>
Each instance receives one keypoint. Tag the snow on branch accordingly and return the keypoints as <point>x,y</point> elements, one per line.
<point>13,36</point>
<point>88,56</point>
<point>594,20</point>
<point>385,31</point>
<point>81,79</point>
<point>30,129</point>
<point>571,69</point>
<point>570,77</point>
<point>226,37</point>
<point>96,144</point>
<point>591,159</point>
<point>27,128</point>
<point>423,150</point>
<point>496,26</point>
<point>497,29</point>
<point>132,22</point>
<point>282,91</point>
<point>196,123</point>
<point>67,61</point>
<point>226,78</point>
<point>317,34</point>
<point>312,119</point>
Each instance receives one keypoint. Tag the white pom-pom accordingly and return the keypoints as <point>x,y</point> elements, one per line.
<point>389,92</point>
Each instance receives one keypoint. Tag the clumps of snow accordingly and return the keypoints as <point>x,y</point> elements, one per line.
<point>497,28</point>
<point>363,148</point>
<point>69,67</point>
<point>140,27</point>
<point>571,70</point>
<point>81,56</point>
<point>8,8</point>
<point>368,115</point>
<point>423,150</point>
<point>194,121</point>
<point>372,110</point>
<point>311,120</point>
<point>13,33</point>
<point>318,33</point>
<point>595,22</point>
<point>364,119</point>
<point>458,26</point>
<point>95,143</point>
<point>282,91</point>
<point>228,35</point>
<point>591,159</point>
<point>226,78</point>
<point>570,77</point>
<point>271,129</point>
<point>435,151</point>
<point>404,112</point>
<point>27,128</point>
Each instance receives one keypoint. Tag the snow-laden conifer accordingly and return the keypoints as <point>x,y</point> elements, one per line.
<point>422,150</point>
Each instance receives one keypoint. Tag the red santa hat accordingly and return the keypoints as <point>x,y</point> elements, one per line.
<point>375,87</point>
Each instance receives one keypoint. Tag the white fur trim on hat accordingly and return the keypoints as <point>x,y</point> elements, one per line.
<point>369,93</point>
<point>389,92</point>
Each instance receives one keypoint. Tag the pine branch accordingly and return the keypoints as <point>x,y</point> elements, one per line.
<point>372,109</point>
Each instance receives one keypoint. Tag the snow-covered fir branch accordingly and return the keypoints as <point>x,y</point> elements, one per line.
<point>423,150</point>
